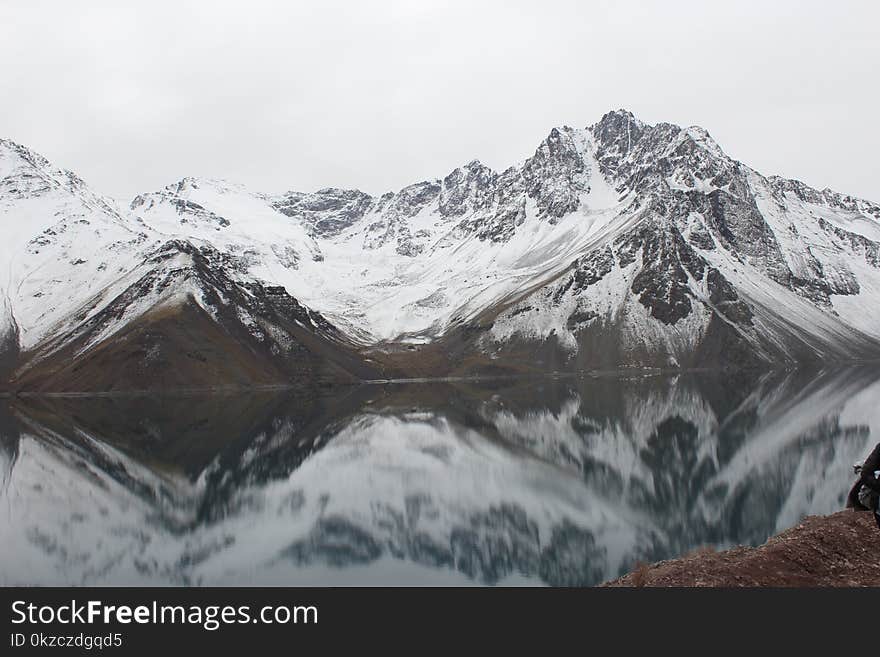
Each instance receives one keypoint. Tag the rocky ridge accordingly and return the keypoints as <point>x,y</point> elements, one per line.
<point>621,244</point>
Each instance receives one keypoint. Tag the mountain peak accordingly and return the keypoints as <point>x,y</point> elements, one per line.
<point>11,151</point>
<point>702,137</point>
<point>189,183</point>
<point>618,131</point>
<point>619,118</point>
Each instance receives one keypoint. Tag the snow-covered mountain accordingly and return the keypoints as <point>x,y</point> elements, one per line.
<point>619,244</point>
<point>96,299</point>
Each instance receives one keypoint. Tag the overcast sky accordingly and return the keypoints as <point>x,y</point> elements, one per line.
<point>376,95</point>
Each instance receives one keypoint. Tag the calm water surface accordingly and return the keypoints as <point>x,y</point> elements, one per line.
<point>549,481</point>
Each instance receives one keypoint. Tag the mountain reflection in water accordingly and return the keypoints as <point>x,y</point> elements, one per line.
<point>567,481</point>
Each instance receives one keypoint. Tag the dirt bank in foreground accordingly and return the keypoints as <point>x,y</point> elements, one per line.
<point>842,549</point>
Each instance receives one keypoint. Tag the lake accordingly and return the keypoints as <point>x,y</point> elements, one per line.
<point>561,481</point>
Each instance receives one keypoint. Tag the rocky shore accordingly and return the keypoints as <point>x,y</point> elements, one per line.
<point>842,549</point>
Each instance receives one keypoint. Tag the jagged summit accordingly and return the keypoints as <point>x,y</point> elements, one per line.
<point>14,154</point>
<point>702,137</point>
<point>618,244</point>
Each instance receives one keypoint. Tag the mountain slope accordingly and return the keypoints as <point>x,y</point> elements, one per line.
<point>94,299</point>
<point>619,244</point>
<point>61,243</point>
<point>716,265</point>
<point>180,321</point>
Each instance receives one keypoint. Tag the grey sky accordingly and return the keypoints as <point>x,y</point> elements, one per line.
<point>376,95</point>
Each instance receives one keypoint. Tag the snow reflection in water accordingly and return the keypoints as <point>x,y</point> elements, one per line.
<point>554,481</point>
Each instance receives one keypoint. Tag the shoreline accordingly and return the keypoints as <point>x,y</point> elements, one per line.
<point>838,550</point>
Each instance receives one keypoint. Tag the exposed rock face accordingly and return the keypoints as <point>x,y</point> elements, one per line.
<point>328,211</point>
<point>468,190</point>
<point>392,225</point>
<point>557,175</point>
